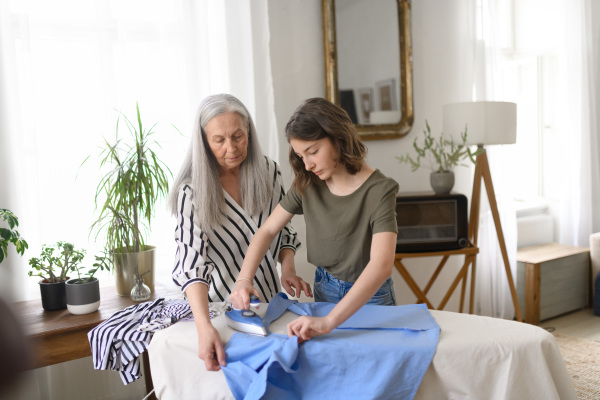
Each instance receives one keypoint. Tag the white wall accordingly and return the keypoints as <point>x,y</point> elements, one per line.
<point>297,64</point>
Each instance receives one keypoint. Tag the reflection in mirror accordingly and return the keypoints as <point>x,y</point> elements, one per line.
<point>367,64</point>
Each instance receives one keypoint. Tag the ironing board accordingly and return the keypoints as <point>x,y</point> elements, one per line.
<point>476,358</point>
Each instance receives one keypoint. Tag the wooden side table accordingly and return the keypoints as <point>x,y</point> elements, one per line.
<point>470,253</point>
<point>59,336</point>
<point>553,279</point>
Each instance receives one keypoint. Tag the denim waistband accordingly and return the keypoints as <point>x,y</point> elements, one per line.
<point>326,276</point>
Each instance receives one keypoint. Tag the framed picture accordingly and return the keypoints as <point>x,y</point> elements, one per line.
<point>386,95</point>
<point>365,98</point>
<point>347,103</point>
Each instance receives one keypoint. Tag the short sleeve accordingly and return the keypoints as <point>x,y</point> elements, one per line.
<point>292,202</point>
<point>289,237</point>
<point>383,218</point>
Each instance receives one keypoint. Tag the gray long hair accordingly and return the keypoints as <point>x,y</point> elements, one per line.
<point>200,169</point>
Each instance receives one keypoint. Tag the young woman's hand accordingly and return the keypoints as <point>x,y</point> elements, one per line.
<point>295,285</point>
<point>240,295</point>
<point>210,348</point>
<point>307,328</point>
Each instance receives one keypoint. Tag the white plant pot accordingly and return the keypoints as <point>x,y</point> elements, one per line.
<point>83,298</point>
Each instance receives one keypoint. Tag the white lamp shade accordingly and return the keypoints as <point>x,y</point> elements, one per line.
<point>487,122</point>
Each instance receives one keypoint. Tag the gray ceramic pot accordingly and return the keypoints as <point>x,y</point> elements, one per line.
<point>442,182</point>
<point>83,298</point>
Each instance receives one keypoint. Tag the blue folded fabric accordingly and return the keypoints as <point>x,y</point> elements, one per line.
<point>380,352</point>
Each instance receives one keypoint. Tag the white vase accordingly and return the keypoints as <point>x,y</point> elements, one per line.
<point>442,182</point>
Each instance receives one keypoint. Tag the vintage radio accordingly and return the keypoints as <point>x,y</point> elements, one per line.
<point>428,222</point>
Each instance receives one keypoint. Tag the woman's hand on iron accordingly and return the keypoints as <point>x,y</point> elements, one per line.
<point>240,295</point>
<point>295,285</point>
<point>210,348</point>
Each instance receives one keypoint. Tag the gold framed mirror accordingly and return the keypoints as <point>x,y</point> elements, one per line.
<point>357,36</point>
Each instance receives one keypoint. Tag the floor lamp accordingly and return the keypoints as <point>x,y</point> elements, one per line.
<point>488,123</point>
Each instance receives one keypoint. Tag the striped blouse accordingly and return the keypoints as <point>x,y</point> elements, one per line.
<point>215,257</point>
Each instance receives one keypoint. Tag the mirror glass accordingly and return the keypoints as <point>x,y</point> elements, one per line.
<point>367,64</point>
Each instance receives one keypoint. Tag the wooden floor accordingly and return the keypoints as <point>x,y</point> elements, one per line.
<point>582,324</point>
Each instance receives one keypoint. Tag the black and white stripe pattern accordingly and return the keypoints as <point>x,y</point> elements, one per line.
<point>118,342</point>
<point>215,257</point>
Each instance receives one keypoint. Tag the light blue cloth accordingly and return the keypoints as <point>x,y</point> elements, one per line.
<point>381,352</point>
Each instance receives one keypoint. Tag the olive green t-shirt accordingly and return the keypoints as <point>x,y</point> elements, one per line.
<point>339,229</point>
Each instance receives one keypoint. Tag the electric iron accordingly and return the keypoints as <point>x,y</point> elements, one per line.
<point>246,321</point>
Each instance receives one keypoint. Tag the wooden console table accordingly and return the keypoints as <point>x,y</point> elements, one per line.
<point>470,253</point>
<point>59,336</point>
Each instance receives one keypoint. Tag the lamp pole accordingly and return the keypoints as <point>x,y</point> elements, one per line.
<point>482,171</point>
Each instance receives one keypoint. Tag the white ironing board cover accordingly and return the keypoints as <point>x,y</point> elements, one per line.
<point>476,358</point>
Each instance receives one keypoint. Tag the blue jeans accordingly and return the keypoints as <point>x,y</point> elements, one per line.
<point>330,289</point>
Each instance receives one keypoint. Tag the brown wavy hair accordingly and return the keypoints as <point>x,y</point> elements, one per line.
<point>317,118</point>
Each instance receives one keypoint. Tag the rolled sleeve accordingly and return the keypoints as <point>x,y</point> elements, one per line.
<point>289,238</point>
<point>191,264</point>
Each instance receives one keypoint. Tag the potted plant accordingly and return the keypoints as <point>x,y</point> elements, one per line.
<point>134,179</point>
<point>442,155</point>
<point>83,292</point>
<point>53,265</point>
<point>10,234</point>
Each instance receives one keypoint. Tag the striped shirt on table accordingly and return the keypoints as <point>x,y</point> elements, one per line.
<point>215,257</point>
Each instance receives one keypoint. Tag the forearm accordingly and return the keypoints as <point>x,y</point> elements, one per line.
<point>256,251</point>
<point>377,271</point>
<point>286,259</point>
<point>197,295</point>
<point>261,241</point>
<point>369,281</point>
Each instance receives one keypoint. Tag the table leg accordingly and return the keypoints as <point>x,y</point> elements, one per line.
<point>532,293</point>
<point>472,298</point>
<point>461,275</point>
<point>148,376</point>
<point>435,274</point>
<point>411,283</point>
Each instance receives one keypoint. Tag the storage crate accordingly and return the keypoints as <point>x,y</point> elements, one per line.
<point>552,279</point>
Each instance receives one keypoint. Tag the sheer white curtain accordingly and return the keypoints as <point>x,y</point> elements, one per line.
<point>577,122</point>
<point>480,51</point>
<point>569,165</point>
<point>494,297</point>
<point>68,66</point>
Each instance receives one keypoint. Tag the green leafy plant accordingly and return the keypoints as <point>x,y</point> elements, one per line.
<point>10,235</point>
<point>103,263</point>
<point>441,154</point>
<point>129,189</point>
<point>56,261</point>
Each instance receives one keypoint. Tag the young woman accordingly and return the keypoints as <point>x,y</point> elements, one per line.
<point>349,210</point>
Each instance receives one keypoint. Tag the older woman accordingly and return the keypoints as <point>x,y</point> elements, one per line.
<point>225,190</point>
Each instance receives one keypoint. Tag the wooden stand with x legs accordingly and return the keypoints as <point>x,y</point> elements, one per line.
<point>482,173</point>
<point>470,253</point>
